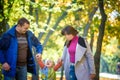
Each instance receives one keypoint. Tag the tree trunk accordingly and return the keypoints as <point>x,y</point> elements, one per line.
<point>48,21</point>
<point>31,8</point>
<point>89,22</point>
<point>88,26</point>
<point>36,77</point>
<point>92,40</point>
<point>62,73</point>
<point>56,24</point>
<point>3,24</point>
<point>54,27</point>
<point>100,38</point>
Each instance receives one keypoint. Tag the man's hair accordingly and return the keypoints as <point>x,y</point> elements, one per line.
<point>22,20</point>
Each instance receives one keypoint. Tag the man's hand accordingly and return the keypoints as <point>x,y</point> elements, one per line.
<point>38,57</point>
<point>6,66</point>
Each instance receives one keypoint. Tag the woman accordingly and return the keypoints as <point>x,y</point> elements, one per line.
<point>77,57</point>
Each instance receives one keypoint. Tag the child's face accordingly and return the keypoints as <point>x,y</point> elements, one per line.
<point>50,63</point>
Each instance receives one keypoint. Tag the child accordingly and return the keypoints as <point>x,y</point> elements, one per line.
<point>48,69</point>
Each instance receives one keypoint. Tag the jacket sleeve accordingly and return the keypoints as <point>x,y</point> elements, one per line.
<point>41,64</point>
<point>90,59</point>
<point>36,43</point>
<point>4,44</point>
<point>57,66</point>
<point>2,57</point>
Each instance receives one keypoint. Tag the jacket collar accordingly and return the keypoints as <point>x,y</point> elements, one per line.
<point>12,31</point>
<point>80,52</point>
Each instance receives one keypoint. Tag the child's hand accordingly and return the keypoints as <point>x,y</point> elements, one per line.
<point>58,65</point>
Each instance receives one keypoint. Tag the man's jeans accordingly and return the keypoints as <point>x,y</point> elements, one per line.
<point>72,73</point>
<point>21,74</point>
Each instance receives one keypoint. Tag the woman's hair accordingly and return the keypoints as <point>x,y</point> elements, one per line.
<point>69,30</point>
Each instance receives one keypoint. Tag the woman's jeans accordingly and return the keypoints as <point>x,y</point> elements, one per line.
<point>72,73</point>
<point>21,74</point>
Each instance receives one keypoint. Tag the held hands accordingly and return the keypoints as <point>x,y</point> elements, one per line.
<point>39,60</point>
<point>6,66</point>
<point>59,60</point>
<point>38,57</point>
<point>58,65</point>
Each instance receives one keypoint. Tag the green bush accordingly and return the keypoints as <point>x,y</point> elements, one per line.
<point>109,63</point>
<point>1,76</point>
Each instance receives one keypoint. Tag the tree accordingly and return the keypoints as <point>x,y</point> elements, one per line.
<point>100,38</point>
<point>87,26</point>
<point>4,16</point>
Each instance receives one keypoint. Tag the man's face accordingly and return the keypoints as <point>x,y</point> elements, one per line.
<point>24,28</point>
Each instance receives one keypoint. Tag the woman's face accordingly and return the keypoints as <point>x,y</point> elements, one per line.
<point>69,37</point>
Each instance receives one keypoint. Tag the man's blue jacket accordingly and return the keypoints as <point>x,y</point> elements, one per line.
<point>9,51</point>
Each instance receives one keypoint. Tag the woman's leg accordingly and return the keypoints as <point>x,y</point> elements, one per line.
<point>72,73</point>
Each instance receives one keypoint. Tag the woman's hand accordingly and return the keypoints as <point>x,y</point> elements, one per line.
<point>59,60</point>
<point>92,76</point>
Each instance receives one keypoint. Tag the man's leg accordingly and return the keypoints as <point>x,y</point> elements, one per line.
<point>8,78</point>
<point>21,73</point>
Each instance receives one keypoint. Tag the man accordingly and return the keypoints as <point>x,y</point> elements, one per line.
<point>16,51</point>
